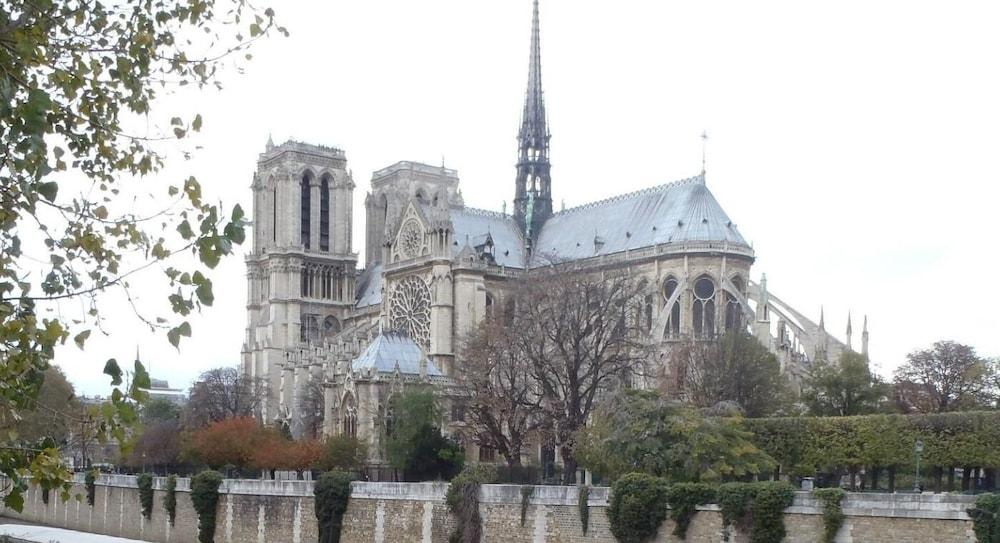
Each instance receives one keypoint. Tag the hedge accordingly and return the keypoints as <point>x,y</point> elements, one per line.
<point>806,446</point>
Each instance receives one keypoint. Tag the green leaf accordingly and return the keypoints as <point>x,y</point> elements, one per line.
<point>204,292</point>
<point>196,125</point>
<point>49,190</point>
<point>14,500</point>
<point>141,378</point>
<point>81,338</point>
<point>111,368</point>
<point>175,333</point>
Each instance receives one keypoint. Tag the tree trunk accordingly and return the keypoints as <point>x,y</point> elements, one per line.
<point>892,479</point>
<point>966,478</point>
<point>951,478</point>
<point>938,474</point>
<point>990,475</point>
<point>853,472</point>
<point>569,465</point>
<point>876,472</point>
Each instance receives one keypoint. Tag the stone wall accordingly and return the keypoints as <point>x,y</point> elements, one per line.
<point>282,511</point>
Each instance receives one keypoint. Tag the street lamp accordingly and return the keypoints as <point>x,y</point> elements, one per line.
<point>918,449</point>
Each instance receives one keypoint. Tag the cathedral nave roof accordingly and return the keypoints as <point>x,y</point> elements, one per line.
<point>683,211</point>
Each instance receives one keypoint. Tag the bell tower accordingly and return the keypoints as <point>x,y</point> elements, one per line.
<point>301,272</point>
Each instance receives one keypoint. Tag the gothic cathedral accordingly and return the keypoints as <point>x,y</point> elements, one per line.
<point>335,342</point>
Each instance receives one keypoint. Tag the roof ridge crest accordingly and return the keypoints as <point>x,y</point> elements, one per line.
<point>628,195</point>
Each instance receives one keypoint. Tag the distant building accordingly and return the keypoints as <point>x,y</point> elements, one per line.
<point>160,390</point>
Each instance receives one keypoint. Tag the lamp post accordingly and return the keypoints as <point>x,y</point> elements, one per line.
<point>918,449</point>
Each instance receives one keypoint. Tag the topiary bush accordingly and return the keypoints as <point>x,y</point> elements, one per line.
<point>170,498</point>
<point>90,482</point>
<point>684,499</point>
<point>463,502</point>
<point>526,492</point>
<point>145,484</point>
<point>637,507</point>
<point>205,498</point>
<point>758,507</point>
<point>581,502</point>
<point>833,513</point>
<point>986,518</point>
<point>332,492</point>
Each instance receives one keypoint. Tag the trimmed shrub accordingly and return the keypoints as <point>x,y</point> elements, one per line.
<point>145,484</point>
<point>170,498</point>
<point>332,492</point>
<point>986,518</point>
<point>463,502</point>
<point>684,499</point>
<point>45,495</point>
<point>90,482</point>
<point>758,507</point>
<point>833,513</point>
<point>205,498</point>
<point>581,502</point>
<point>637,507</point>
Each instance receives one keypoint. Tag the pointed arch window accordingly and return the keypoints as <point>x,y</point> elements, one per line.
<point>703,309</point>
<point>324,213</point>
<point>350,417</point>
<point>673,327</point>
<point>734,311</point>
<point>305,209</point>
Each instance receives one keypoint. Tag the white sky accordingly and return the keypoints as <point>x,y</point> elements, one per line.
<point>853,142</point>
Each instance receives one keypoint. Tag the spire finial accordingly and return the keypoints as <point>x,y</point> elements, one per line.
<point>704,150</point>
<point>822,326</point>
<point>270,142</point>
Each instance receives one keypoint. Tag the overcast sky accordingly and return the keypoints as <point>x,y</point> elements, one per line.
<point>854,143</point>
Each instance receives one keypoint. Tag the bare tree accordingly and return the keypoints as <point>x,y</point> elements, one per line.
<point>580,338</point>
<point>223,393</point>
<point>312,402</point>
<point>733,367</point>
<point>504,402</point>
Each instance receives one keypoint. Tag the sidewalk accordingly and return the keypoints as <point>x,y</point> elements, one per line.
<point>44,534</point>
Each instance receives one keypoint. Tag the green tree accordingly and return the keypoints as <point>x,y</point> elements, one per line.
<point>160,410</point>
<point>845,388</point>
<point>734,368</point>
<point>52,412</point>
<point>640,431</point>
<point>77,77</point>
<point>415,443</point>
<point>946,377</point>
<point>344,453</point>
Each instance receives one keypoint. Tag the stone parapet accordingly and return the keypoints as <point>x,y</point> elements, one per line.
<point>251,511</point>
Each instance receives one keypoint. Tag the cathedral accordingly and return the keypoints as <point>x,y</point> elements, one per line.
<point>434,267</point>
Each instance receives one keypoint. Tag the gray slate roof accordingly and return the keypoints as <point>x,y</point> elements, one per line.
<point>370,287</point>
<point>683,211</point>
<point>389,349</point>
<point>474,224</point>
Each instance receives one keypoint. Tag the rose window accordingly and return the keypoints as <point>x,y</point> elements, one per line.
<point>411,239</point>
<point>410,309</point>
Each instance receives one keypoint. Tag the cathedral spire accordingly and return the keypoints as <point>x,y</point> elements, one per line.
<point>850,332</point>
<point>533,187</point>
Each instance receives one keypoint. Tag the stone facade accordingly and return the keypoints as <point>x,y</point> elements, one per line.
<point>283,512</point>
